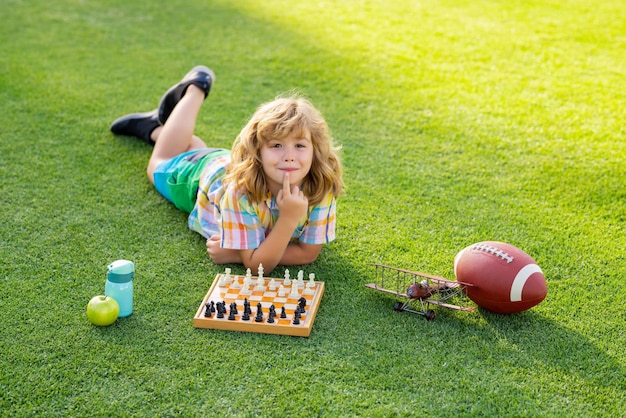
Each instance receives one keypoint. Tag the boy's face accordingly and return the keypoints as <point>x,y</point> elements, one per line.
<point>293,154</point>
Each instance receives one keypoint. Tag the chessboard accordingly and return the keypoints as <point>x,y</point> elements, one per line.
<point>258,304</point>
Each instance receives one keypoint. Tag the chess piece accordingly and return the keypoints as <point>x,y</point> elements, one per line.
<point>287,280</point>
<point>260,284</point>
<point>294,291</point>
<point>282,291</point>
<point>283,313</point>
<point>248,278</point>
<point>220,309</point>
<point>207,311</point>
<point>235,284</point>
<point>300,278</point>
<point>302,305</point>
<point>227,278</point>
<point>311,282</point>
<point>271,315</point>
<point>272,285</point>
<point>259,313</point>
<point>245,290</point>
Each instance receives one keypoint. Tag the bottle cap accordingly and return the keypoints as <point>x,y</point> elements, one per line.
<point>121,271</point>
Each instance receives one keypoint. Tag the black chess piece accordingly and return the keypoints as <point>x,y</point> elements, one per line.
<point>271,315</point>
<point>207,311</point>
<point>283,313</point>
<point>220,310</point>
<point>302,305</point>
<point>233,308</point>
<point>259,313</point>
<point>296,318</point>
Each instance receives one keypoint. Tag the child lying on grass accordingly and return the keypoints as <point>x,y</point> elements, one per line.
<point>270,200</point>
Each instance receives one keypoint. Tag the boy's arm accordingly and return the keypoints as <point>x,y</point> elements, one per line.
<point>295,254</point>
<point>292,206</point>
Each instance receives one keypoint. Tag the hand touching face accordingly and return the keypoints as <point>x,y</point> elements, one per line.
<point>292,155</point>
<point>292,203</point>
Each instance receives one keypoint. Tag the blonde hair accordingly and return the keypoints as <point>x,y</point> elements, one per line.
<point>276,120</point>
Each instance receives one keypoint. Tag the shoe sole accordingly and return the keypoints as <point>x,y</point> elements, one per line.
<point>165,108</point>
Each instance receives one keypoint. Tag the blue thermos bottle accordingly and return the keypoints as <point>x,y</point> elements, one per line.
<point>119,285</point>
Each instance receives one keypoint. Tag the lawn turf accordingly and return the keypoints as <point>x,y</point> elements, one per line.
<point>460,122</point>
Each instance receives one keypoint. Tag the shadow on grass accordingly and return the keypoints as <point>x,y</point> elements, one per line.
<point>548,344</point>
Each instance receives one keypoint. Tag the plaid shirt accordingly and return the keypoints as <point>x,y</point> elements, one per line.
<point>243,224</point>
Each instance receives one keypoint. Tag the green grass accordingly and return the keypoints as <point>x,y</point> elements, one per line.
<point>460,122</point>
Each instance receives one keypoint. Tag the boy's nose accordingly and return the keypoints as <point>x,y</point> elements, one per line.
<point>289,156</point>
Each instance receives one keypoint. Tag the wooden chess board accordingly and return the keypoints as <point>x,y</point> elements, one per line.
<point>281,295</point>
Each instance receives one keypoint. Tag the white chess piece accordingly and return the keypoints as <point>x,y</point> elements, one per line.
<point>300,278</point>
<point>294,292</point>
<point>227,277</point>
<point>282,291</point>
<point>260,284</point>
<point>311,282</point>
<point>246,289</point>
<point>248,279</point>
<point>272,285</point>
<point>235,284</point>
<point>287,280</point>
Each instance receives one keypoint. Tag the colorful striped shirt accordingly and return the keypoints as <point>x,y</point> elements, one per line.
<point>243,224</point>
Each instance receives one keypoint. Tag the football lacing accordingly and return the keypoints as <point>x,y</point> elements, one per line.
<point>495,251</point>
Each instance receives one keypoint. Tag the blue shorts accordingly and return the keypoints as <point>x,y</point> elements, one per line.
<point>177,179</point>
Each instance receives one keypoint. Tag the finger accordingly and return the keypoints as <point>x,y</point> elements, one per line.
<point>286,186</point>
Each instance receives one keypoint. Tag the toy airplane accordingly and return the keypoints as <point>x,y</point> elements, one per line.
<point>420,290</point>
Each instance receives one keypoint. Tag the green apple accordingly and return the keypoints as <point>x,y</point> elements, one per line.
<point>102,310</point>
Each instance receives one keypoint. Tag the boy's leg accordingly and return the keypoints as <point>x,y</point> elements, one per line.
<point>176,136</point>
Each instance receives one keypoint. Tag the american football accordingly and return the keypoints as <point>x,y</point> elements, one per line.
<point>505,279</point>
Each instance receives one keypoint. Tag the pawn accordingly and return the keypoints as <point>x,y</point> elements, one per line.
<point>245,290</point>
<point>296,318</point>
<point>248,277</point>
<point>236,284</point>
<point>227,276</point>
<point>272,285</point>
<point>283,313</point>
<point>282,291</point>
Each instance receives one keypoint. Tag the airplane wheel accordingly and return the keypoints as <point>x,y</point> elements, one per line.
<point>398,307</point>
<point>429,315</point>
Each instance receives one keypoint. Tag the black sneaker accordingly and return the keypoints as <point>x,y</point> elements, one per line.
<point>199,76</point>
<point>139,125</point>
